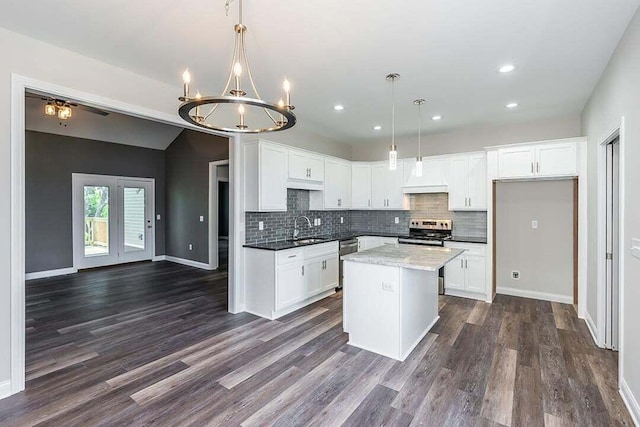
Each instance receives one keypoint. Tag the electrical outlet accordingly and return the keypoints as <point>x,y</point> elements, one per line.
<point>261,225</point>
<point>190,246</point>
<point>319,221</point>
<point>388,287</point>
<point>341,220</point>
<point>534,224</point>
<point>158,217</point>
<point>515,275</point>
<point>201,218</point>
<point>397,220</point>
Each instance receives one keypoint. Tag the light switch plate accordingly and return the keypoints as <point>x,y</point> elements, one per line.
<point>319,221</point>
<point>534,224</point>
<point>158,217</point>
<point>201,218</point>
<point>190,246</point>
<point>341,220</point>
<point>261,225</point>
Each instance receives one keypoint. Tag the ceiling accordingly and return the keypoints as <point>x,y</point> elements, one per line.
<point>337,51</point>
<point>116,128</point>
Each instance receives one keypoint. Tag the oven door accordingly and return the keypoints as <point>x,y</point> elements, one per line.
<point>440,243</point>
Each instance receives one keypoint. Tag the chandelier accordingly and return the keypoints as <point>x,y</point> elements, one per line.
<point>249,114</point>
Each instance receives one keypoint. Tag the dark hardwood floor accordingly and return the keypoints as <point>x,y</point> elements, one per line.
<point>152,344</point>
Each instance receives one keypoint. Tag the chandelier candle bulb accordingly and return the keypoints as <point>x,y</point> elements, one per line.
<point>241,111</point>
<point>281,105</point>
<point>186,79</point>
<point>198,96</point>
<point>237,71</point>
<point>287,90</point>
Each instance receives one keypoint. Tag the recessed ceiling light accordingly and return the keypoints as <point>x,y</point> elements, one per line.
<point>507,68</point>
<point>377,127</point>
<point>436,118</point>
<point>512,105</point>
<point>338,107</point>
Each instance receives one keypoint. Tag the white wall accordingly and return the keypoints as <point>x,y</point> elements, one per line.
<point>543,256</point>
<point>472,139</point>
<point>617,94</point>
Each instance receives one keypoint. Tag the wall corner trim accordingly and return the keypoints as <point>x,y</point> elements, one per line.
<point>5,389</point>
<point>631,402</point>
<point>564,299</point>
<point>50,273</point>
<point>188,262</point>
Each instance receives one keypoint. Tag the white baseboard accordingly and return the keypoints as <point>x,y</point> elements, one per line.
<point>535,295</point>
<point>591,325</point>
<point>188,262</point>
<point>465,294</point>
<point>5,389</point>
<point>631,402</point>
<point>159,258</point>
<point>50,273</point>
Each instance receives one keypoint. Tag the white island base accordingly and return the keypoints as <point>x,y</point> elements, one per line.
<point>388,309</point>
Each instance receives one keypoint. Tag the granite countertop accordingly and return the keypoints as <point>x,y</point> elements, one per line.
<point>415,257</point>
<point>281,245</point>
<point>465,239</point>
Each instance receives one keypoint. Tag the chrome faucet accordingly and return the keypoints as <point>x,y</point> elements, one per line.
<point>295,226</point>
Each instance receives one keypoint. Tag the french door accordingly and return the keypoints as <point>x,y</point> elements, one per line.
<point>112,220</point>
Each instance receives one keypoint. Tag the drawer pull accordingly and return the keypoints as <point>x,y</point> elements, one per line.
<point>292,256</point>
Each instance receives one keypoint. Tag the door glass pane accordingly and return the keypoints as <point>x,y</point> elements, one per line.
<point>134,213</point>
<point>96,220</point>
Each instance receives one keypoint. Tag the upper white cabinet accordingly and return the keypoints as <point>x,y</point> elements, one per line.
<point>434,179</point>
<point>360,186</point>
<point>337,184</point>
<point>468,182</point>
<point>386,186</point>
<point>265,175</point>
<point>539,160</point>
<point>306,170</point>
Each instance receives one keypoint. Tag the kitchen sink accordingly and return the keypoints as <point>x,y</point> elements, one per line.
<point>308,241</point>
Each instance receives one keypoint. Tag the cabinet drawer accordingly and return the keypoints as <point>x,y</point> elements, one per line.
<point>320,250</point>
<point>289,256</point>
<point>477,249</point>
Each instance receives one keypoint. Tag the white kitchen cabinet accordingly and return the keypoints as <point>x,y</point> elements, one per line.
<point>538,160</point>
<point>265,175</point>
<point>466,275</point>
<point>468,182</point>
<point>279,282</point>
<point>290,285</point>
<point>386,187</point>
<point>434,179</point>
<point>305,168</point>
<point>360,186</point>
<point>337,184</point>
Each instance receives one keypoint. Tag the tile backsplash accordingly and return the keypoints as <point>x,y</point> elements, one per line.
<point>279,225</point>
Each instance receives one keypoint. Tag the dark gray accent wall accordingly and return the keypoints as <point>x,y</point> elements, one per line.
<point>50,160</point>
<point>187,192</point>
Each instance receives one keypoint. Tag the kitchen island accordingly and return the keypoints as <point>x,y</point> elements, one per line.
<point>390,296</point>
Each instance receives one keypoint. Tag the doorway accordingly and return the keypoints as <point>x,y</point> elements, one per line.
<point>219,204</point>
<point>612,239</point>
<point>112,220</point>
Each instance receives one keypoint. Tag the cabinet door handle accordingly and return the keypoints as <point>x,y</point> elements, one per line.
<point>369,202</point>
<point>469,201</point>
<point>303,270</point>
<point>461,263</point>
<point>466,263</point>
<point>531,167</point>
<point>537,166</point>
<point>310,172</point>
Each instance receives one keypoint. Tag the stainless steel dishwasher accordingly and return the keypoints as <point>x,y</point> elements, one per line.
<point>346,247</point>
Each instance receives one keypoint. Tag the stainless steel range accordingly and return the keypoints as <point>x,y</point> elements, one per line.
<point>429,232</point>
<point>432,232</point>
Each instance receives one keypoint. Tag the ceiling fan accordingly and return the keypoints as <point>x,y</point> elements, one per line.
<point>62,108</point>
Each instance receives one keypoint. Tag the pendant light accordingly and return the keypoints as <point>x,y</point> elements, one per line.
<point>393,151</point>
<point>419,103</point>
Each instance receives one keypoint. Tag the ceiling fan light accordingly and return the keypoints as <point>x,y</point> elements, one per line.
<point>64,112</point>
<point>50,109</point>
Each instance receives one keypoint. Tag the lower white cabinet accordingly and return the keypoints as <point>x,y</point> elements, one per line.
<point>370,242</point>
<point>279,282</point>
<point>467,273</point>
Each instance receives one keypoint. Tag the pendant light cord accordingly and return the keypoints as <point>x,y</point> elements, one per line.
<point>419,130</point>
<point>393,112</point>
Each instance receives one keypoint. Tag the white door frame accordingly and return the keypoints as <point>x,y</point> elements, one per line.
<point>214,208</point>
<point>19,85</point>
<point>150,211</point>
<point>617,131</point>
